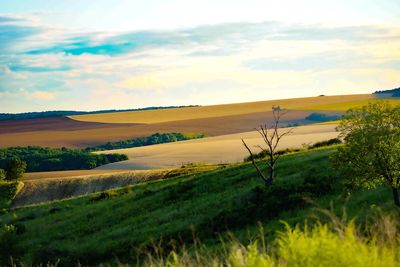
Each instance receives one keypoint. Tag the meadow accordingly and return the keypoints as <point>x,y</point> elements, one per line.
<point>177,214</point>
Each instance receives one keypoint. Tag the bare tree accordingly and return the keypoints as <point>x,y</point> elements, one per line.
<point>271,136</point>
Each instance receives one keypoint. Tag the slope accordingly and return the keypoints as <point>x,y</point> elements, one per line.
<point>121,223</point>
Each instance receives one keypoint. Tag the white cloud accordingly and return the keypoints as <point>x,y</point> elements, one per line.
<point>43,96</point>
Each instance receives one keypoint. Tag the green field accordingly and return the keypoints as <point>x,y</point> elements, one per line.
<point>118,224</point>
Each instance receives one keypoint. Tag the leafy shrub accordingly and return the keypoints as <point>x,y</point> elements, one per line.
<point>15,169</point>
<point>7,193</point>
<point>2,174</point>
<point>322,117</point>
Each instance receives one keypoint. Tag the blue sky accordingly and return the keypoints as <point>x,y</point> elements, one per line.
<point>103,54</point>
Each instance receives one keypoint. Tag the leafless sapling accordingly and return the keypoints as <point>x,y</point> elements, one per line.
<point>271,135</point>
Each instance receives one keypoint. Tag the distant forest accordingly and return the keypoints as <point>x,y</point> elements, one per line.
<point>157,138</point>
<point>395,92</point>
<point>322,117</point>
<point>63,113</point>
<point>56,159</point>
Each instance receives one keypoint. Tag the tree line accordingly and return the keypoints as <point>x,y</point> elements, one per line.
<point>55,159</point>
<point>157,138</point>
<point>64,113</point>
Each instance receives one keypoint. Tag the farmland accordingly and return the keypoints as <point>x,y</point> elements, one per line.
<point>221,111</point>
<point>179,192</point>
<point>220,149</point>
<point>98,129</point>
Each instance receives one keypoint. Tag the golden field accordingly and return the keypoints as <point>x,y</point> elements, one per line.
<point>88,130</point>
<point>190,113</point>
<point>216,150</point>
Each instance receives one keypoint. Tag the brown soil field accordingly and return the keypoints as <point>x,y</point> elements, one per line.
<point>209,120</point>
<point>49,124</point>
<point>216,150</point>
<point>77,137</point>
<point>166,115</point>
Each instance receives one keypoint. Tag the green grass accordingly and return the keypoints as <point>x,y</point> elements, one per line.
<point>320,245</point>
<point>100,228</point>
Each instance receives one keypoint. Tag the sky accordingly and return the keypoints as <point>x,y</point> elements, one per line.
<point>119,54</point>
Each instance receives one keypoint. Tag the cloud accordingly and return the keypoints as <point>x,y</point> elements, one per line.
<point>313,62</point>
<point>223,36</point>
<point>14,33</point>
<point>22,68</point>
<point>9,19</point>
<point>229,62</point>
<point>41,95</point>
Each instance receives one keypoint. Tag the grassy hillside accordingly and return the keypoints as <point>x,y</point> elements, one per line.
<point>116,224</point>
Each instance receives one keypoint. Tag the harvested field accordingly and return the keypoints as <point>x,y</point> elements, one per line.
<point>49,124</point>
<point>67,184</point>
<point>81,138</point>
<point>220,149</point>
<point>81,131</point>
<point>166,115</point>
<point>30,176</point>
<point>42,190</point>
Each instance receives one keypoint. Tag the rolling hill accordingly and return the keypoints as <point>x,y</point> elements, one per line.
<point>126,224</point>
<point>216,150</point>
<point>90,130</point>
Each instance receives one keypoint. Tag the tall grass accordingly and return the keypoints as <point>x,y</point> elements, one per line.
<point>318,245</point>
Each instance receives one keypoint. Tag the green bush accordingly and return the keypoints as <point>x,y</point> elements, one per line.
<point>15,169</point>
<point>322,117</point>
<point>2,174</point>
<point>7,193</point>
